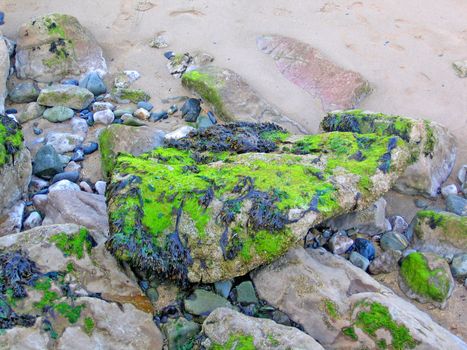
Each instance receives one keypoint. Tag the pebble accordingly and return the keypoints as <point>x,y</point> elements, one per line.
<point>202,302</point>
<point>203,122</point>
<point>37,131</point>
<point>141,114</point>
<point>79,126</point>
<point>191,109</point>
<point>93,83</point>
<point>58,114</point>
<point>37,184</point>
<point>359,260</point>
<point>398,224</point>
<point>63,142</point>
<point>152,294</point>
<point>90,147</point>
<point>145,105</point>
<point>74,82</point>
<point>449,189</point>
<point>11,111</point>
<point>85,187</point>
<point>90,120</point>
<point>78,155</point>
<point>129,120</point>
<point>72,176</point>
<point>156,116</point>
<point>105,117</point>
<point>421,203</point>
<point>64,185</point>
<point>459,266</point>
<point>33,111</point>
<point>365,248</point>
<point>33,220</point>
<point>172,109</point>
<point>223,288</point>
<point>159,42</point>
<point>456,204</point>
<point>385,263</point>
<point>120,112</point>
<point>102,106</point>
<point>246,293</point>
<point>100,187</point>
<point>73,166</point>
<point>339,243</point>
<point>169,54</point>
<point>393,241</point>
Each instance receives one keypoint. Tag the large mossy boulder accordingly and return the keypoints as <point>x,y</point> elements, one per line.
<point>233,98</point>
<point>226,199</point>
<point>56,46</point>
<point>432,146</point>
<point>65,96</point>
<point>15,163</point>
<point>442,233</point>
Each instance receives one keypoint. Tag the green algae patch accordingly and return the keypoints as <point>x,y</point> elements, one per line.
<point>73,245</point>
<point>230,196</point>
<point>452,227</point>
<point>350,332</point>
<point>236,342</point>
<point>331,309</point>
<point>208,87</point>
<point>417,275</point>
<point>106,144</point>
<point>89,325</point>
<point>11,139</point>
<point>132,95</point>
<point>375,316</point>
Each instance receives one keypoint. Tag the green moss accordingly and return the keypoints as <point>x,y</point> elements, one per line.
<point>71,313</point>
<point>377,316</point>
<point>133,95</point>
<point>106,144</point>
<point>331,309</point>
<point>433,284</point>
<point>381,344</point>
<point>275,136</point>
<point>53,25</point>
<point>273,341</point>
<point>452,226</point>
<point>350,332</point>
<point>70,267</point>
<point>430,139</point>
<point>11,140</point>
<point>73,245</point>
<point>236,342</point>
<point>89,325</point>
<point>208,88</point>
<point>266,244</point>
<point>48,297</point>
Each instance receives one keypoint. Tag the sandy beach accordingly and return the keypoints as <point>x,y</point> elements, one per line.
<point>404,49</point>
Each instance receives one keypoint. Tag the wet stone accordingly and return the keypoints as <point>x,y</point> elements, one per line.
<point>202,302</point>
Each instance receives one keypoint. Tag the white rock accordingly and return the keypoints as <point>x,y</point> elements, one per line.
<point>79,126</point>
<point>105,117</point>
<point>142,114</point>
<point>33,220</point>
<point>64,185</point>
<point>101,187</point>
<point>63,142</point>
<point>449,189</point>
<point>179,133</point>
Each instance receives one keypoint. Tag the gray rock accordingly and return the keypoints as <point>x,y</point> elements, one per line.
<point>36,184</point>
<point>325,293</point>
<point>33,220</point>
<point>370,221</point>
<point>227,92</point>
<point>47,163</point>
<point>65,95</point>
<point>79,126</point>
<point>102,106</point>
<point>76,207</point>
<point>398,224</point>
<point>4,73</point>
<point>129,120</point>
<point>63,142</point>
<point>339,243</point>
<point>448,189</point>
<point>179,133</point>
<point>24,92</point>
<point>246,293</point>
<point>100,187</point>
<point>93,82</point>
<point>78,54</point>
<point>145,105</point>
<point>105,117</point>
<point>393,241</point>
<point>456,204</point>
<point>141,114</point>
<point>58,114</point>
<point>385,263</point>
<point>180,333</point>
<point>203,122</point>
<point>359,260</point>
<point>64,185</point>
<point>72,166</point>
<point>225,324</point>
<point>72,176</point>
<point>223,288</point>
<point>460,67</point>
<point>426,277</point>
<point>459,266</point>
<point>33,111</point>
<point>120,112</point>
<point>202,302</point>
<point>12,220</point>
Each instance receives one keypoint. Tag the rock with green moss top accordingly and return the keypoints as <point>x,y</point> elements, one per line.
<point>426,277</point>
<point>441,232</point>
<point>227,199</point>
<point>229,329</point>
<point>342,307</point>
<point>227,92</point>
<point>433,146</point>
<point>70,96</point>
<point>55,46</point>
<point>15,164</point>
<point>130,95</point>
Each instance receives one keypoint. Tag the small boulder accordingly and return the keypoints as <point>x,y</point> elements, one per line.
<point>33,111</point>
<point>386,262</point>
<point>94,83</point>
<point>105,117</point>
<point>64,185</point>
<point>202,302</point>
<point>33,220</point>
<point>365,248</point>
<point>24,92</point>
<point>70,96</point>
<point>58,114</point>
<point>393,241</point>
<point>340,243</point>
<point>456,204</point>
<point>47,162</point>
<point>179,133</point>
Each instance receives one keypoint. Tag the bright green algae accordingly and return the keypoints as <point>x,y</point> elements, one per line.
<point>149,193</point>
<point>11,139</point>
<point>236,342</point>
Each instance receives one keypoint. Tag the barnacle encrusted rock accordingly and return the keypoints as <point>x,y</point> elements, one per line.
<point>227,199</point>
<point>432,146</point>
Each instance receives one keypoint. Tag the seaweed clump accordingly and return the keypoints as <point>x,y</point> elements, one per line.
<point>11,139</point>
<point>239,137</point>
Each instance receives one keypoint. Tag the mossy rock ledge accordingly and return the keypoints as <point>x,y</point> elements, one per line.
<point>229,198</point>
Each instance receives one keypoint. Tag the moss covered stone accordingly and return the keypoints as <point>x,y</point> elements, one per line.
<point>132,95</point>
<point>426,277</point>
<point>204,210</point>
<point>74,245</point>
<point>11,139</point>
<point>236,342</point>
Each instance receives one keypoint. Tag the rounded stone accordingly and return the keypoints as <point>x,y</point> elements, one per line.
<point>58,114</point>
<point>365,248</point>
<point>105,117</point>
<point>359,260</point>
<point>393,241</point>
<point>459,266</point>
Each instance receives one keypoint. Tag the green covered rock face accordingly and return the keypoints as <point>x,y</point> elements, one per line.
<point>211,207</point>
<point>11,139</point>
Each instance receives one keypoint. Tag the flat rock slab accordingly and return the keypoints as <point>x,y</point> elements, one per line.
<point>226,327</point>
<point>342,307</point>
<point>55,46</point>
<point>307,67</point>
<point>205,196</point>
<point>233,99</point>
